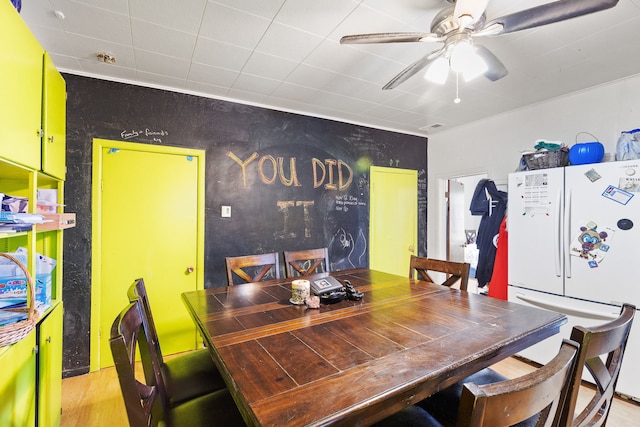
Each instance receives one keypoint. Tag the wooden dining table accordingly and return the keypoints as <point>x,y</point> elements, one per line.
<point>353,363</point>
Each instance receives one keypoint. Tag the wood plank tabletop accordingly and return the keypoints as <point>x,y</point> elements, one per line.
<point>355,362</point>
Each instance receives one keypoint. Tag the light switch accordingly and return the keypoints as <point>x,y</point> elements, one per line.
<point>225,212</point>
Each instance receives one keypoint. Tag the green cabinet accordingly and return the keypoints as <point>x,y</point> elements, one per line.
<point>49,368</point>
<point>18,383</point>
<point>32,157</point>
<point>31,383</point>
<point>54,120</point>
<point>20,90</point>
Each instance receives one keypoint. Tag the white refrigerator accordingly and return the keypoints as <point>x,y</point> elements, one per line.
<point>574,247</point>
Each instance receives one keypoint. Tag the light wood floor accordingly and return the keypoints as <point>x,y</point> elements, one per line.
<point>94,399</point>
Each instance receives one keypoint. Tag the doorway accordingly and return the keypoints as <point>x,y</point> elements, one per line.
<point>462,227</point>
<point>148,221</point>
<point>393,215</point>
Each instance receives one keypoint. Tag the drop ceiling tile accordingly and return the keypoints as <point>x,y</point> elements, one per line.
<point>248,97</point>
<point>162,40</point>
<point>97,23</point>
<point>264,8</point>
<point>40,15</point>
<point>313,16</point>
<point>206,90</point>
<point>108,71</point>
<point>422,11</point>
<point>169,66</point>
<point>183,15</point>
<point>217,54</point>
<point>305,75</point>
<point>161,80</point>
<point>87,48</point>
<point>338,103</point>
<point>286,42</point>
<point>297,93</point>
<point>255,84</point>
<point>268,66</point>
<point>215,76</point>
<point>57,40</point>
<point>117,6</point>
<point>222,23</point>
<point>63,62</point>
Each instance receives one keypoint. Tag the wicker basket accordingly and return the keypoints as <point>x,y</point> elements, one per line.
<point>546,159</point>
<point>14,332</point>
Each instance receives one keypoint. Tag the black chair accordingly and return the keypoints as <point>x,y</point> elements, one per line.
<point>601,351</point>
<point>253,268</point>
<point>181,377</point>
<point>306,262</point>
<point>534,399</point>
<point>143,402</point>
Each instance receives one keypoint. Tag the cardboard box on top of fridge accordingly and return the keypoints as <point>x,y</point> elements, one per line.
<point>13,282</point>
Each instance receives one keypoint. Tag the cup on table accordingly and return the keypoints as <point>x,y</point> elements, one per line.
<point>300,290</point>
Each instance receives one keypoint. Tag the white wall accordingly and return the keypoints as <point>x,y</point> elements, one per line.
<point>494,145</point>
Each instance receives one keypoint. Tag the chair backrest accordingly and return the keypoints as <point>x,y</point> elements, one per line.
<point>538,394</point>
<point>601,351</point>
<point>137,293</point>
<point>141,398</point>
<point>456,271</point>
<point>307,262</point>
<point>253,268</point>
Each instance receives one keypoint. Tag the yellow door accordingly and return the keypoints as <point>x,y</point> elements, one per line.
<point>54,120</point>
<point>150,221</point>
<point>20,89</point>
<point>393,214</point>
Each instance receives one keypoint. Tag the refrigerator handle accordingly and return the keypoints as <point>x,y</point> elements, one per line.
<point>558,246</point>
<point>566,309</point>
<point>567,231</point>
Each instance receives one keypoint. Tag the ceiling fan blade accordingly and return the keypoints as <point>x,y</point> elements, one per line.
<point>471,10</point>
<point>496,70</point>
<point>389,38</point>
<point>549,13</point>
<point>412,69</point>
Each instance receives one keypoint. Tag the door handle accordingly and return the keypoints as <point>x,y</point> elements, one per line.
<point>190,269</point>
<point>411,248</point>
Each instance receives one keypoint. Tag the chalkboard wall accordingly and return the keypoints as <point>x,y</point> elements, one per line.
<point>292,181</point>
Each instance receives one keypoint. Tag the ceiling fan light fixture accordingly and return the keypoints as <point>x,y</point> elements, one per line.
<point>466,61</point>
<point>462,53</point>
<point>475,68</point>
<point>438,71</point>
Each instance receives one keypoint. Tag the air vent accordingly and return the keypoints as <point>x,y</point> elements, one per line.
<point>432,126</point>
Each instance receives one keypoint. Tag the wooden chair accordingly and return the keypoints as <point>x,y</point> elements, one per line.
<point>601,351</point>
<point>540,394</point>
<point>534,399</point>
<point>307,262</point>
<point>143,402</point>
<point>253,268</point>
<point>456,271</point>
<point>181,377</point>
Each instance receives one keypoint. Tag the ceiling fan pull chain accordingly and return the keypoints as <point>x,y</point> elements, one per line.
<point>457,100</point>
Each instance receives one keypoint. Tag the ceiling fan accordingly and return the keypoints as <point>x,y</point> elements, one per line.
<point>457,25</point>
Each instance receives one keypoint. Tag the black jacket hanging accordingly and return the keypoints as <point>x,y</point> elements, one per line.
<point>491,203</point>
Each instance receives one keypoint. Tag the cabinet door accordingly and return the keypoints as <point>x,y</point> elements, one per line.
<point>20,90</point>
<point>53,121</point>
<point>18,382</point>
<point>50,368</point>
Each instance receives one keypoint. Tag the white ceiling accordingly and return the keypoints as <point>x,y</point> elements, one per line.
<point>285,54</point>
